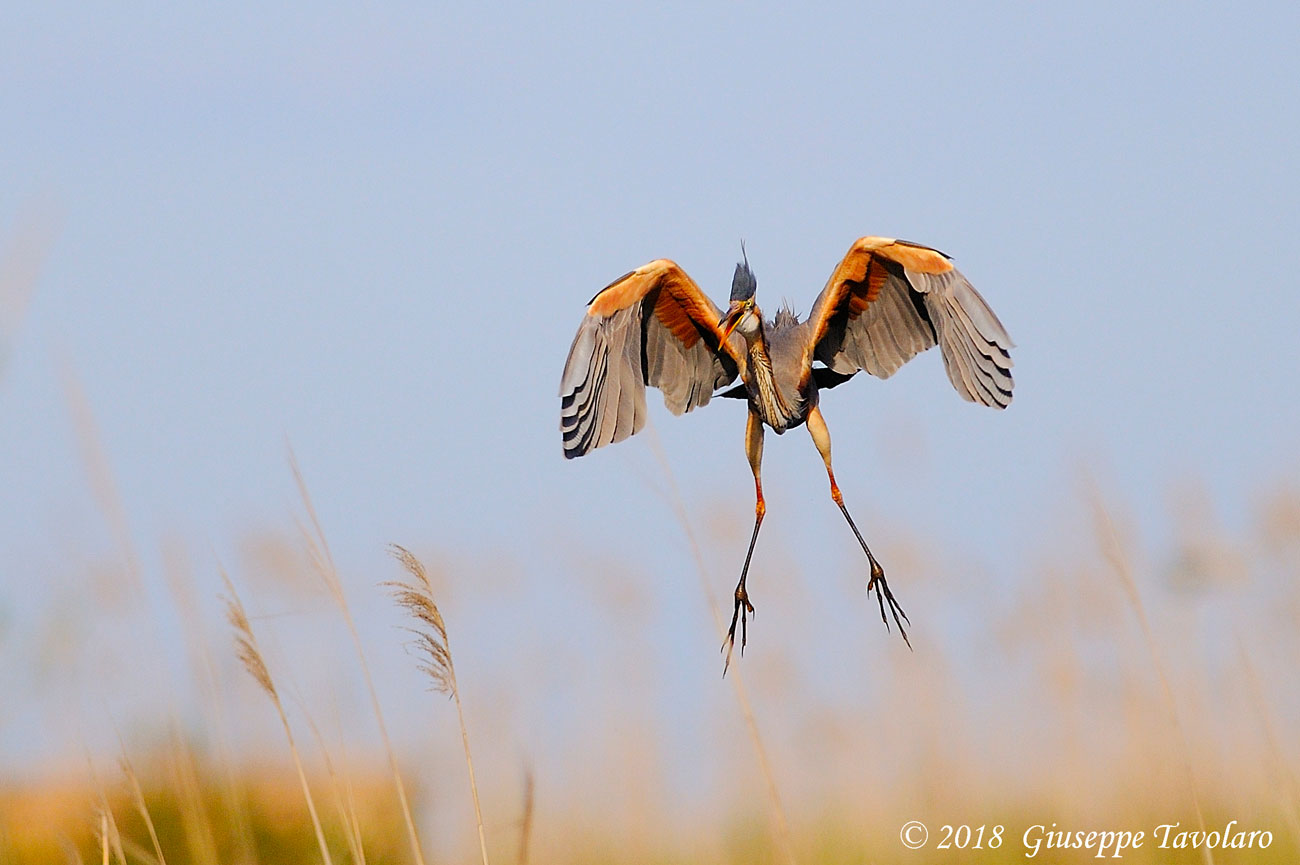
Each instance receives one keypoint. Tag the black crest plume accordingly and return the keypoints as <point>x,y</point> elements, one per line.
<point>743,283</point>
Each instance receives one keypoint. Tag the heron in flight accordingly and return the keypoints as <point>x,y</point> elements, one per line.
<point>887,301</point>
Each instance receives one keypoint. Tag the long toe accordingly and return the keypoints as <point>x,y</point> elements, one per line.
<point>897,610</point>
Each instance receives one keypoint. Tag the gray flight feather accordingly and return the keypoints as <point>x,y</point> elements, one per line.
<point>913,312</point>
<point>613,358</point>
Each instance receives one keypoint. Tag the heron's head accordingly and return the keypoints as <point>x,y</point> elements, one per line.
<point>743,315</point>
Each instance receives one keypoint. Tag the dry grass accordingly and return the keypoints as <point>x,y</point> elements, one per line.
<point>415,595</point>
<point>21,261</point>
<point>341,792</point>
<point>180,582</point>
<point>251,657</point>
<point>1120,559</point>
<point>110,839</point>
<point>780,823</point>
<point>137,798</point>
<point>193,811</point>
<point>323,560</point>
<point>526,821</point>
<point>1101,693</point>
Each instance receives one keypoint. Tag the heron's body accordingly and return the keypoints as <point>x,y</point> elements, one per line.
<point>886,301</point>
<point>773,385</point>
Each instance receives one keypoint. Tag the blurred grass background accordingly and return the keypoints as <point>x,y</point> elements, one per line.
<point>1034,697</point>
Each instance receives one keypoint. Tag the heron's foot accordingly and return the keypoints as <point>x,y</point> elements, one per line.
<point>742,610</point>
<point>883,595</point>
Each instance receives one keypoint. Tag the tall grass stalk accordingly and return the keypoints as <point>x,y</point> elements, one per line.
<point>137,797</point>
<point>526,821</point>
<point>780,825</point>
<point>1120,561</point>
<point>70,852</point>
<point>343,803</point>
<point>110,839</point>
<point>180,580</point>
<point>1283,779</point>
<point>416,597</point>
<point>103,485</point>
<point>103,835</point>
<point>323,560</point>
<point>137,853</point>
<point>251,657</point>
<point>200,835</point>
<point>20,269</point>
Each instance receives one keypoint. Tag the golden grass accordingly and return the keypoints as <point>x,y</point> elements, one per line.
<point>323,560</point>
<point>180,582</point>
<point>341,794</point>
<point>137,798</point>
<point>526,821</point>
<point>1113,725</point>
<point>110,839</point>
<point>415,595</point>
<point>251,657</point>
<point>1120,560</point>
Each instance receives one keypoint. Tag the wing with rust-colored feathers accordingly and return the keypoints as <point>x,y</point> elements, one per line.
<point>651,327</point>
<point>889,300</point>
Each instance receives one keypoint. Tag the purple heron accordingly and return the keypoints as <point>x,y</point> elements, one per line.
<point>886,301</point>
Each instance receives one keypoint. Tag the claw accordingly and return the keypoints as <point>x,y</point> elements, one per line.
<point>742,610</point>
<point>883,594</point>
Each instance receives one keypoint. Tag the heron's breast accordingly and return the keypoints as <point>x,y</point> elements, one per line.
<point>775,393</point>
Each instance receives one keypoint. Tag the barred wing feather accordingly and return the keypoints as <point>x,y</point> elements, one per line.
<point>652,327</point>
<point>889,300</point>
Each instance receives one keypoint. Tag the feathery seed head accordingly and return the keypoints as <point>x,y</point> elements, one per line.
<point>245,642</point>
<point>430,631</point>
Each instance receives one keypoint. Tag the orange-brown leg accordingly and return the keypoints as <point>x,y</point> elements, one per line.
<point>753,450</point>
<point>822,438</point>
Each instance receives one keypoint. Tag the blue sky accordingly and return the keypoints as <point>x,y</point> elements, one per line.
<point>372,233</point>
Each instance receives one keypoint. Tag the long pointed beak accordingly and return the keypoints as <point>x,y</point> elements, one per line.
<point>729,321</point>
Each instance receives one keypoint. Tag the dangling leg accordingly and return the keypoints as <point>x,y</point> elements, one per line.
<point>753,450</point>
<point>822,438</point>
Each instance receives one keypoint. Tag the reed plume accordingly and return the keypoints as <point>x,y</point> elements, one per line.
<point>323,561</point>
<point>251,657</point>
<point>431,648</point>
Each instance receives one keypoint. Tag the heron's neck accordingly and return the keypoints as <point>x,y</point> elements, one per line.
<point>776,411</point>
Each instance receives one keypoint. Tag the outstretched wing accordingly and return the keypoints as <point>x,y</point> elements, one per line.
<point>651,327</point>
<point>889,300</point>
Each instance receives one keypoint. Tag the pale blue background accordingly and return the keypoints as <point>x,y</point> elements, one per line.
<point>372,231</point>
